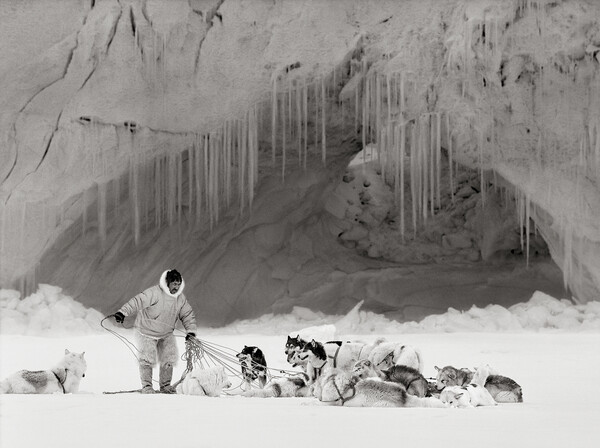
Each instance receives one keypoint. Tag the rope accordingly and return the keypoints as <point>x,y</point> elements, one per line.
<point>203,354</point>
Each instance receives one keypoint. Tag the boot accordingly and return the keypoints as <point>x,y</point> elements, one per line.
<point>146,378</point>
<point>165,375</point>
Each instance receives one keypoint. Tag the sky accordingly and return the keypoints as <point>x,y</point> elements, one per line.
<point>551,347</point>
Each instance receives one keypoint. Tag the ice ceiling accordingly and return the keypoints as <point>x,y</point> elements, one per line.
<point>214,137</point>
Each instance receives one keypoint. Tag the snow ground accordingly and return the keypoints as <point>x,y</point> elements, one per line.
<point>556,367</point>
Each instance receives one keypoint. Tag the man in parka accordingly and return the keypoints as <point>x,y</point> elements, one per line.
<point>158,309</point>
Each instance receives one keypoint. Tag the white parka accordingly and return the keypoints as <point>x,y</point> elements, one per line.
<point>158,310</point>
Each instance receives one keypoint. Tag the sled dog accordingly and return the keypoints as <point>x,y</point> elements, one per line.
<point>208,382</point>
<point>412,380</point>
<point>468,396</point>
<point>293,386</point>
<point>293,348</point>
<point>335,354</point>
<point>389,354</point>
<point>340,388</point>
<point>502,388</point>
<point>64,378</point>
<point>254,366</point>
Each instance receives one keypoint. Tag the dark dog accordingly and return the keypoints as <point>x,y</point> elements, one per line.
<point>254,365</point>
<point>293,347</point>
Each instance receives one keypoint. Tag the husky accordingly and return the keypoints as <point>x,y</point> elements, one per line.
<point>468,396</point>
<point>293,347</point>
<point>293,386</point>
<point>389,354</point>
<point>340,388</point>
<point>412,380</point>
<point>502,388</point>
<point>334,354</point>
<point>64,378</point>
<point>254,366</point>
<point>208,382</point>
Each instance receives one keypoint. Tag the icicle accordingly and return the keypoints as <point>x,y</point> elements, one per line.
<point>84,215</point>
<point>283,144</point>
<point>425,165</point>
<point>481,171</point>
<point>449,143</point>
<point>520,213</point>
<point>438,159</point>
<point>102,214</point>
<point>527,218</point>
<point>597,152</point>
<point>316,114</point>
<point>402,144</point>
<point>242,163</point>
<point>157,192</point>
<point>205,176</point>
<point>289,95</point>
<point>378,130</point>
<point>568,253</point>
<point>323,140</point>
<point>299,122</point>
<point>274,121</point>
<point>305,105</point>
<point>198,177</point>
<point>134,198</point>
<point>179,186</point>
<point>413,177</point>
<point>364,117</point>
<point>250,158</point>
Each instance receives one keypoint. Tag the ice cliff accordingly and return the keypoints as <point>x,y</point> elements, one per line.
<point>215,137</point>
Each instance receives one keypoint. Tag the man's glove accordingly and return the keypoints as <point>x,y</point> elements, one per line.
<point>190,336</point>
<point>119,317</point>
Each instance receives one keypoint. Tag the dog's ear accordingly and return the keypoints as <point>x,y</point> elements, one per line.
<point>254,350</point>
<point>67,351</point>
<point>437,368</point>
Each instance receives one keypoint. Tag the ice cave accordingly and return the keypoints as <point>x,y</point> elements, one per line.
<point>415,155</point>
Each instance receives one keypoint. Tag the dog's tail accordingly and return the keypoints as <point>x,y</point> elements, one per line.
<point>425,402</point>
<point>5,387</point>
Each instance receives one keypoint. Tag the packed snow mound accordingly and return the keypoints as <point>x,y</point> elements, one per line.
<point>541,313</point>
<point>47,312</point>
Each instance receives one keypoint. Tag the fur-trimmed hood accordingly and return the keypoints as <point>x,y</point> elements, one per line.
<point>163,285</point>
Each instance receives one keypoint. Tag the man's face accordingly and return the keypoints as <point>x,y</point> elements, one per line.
<point>174,287</point>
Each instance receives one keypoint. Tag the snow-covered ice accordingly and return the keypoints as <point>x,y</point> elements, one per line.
<point>549,346</point>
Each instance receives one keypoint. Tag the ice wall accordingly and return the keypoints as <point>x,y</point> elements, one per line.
<point>148,117</point>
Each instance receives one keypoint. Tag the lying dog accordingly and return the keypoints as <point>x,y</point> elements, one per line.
<point>254,366</point>
<point>340,388</point>
<point>468,396</point>
<point>293,386</point>
<point>501,388</point>
<point>414,382</point>
<point>208,382</point>
<point>388,354</point>
<point>64,378</point>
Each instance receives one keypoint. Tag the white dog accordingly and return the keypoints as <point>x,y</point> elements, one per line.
<point>293,386</point>
<point>388,354</point>
<point>471,395</point>
<point>208,382</point>
<point>64,378</point>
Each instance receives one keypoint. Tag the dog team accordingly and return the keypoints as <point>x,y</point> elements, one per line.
<point>382,374</point>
